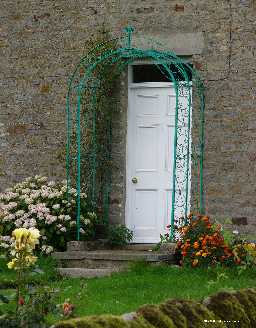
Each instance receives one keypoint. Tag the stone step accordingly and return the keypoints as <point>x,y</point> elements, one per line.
<point>86,273</point>
<point>109,258</point>
<point>102,244</point>
<point>139,247</point>
<point>113,255</point>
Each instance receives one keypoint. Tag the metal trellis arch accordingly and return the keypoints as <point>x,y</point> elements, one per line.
<point>88,152</point>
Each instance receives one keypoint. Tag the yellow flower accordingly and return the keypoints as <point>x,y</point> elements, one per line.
<point>25,237</point>
<point>30,260</point>
<point>194,262</point>
<point>33,237</point>
<point>20,235</point>
<point>12,264</point>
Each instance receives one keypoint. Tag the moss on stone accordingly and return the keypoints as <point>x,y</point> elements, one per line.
<point>196,314</point>
<point>172,310</point>
<point>227,307</point>
<point>109,321</point>
<point>247,298</point>
<point>155,316</point>
<point>139,322</point>
<point>65,324</point>
<point>94,322</point>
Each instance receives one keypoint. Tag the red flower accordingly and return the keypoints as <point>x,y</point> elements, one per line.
<point>21,301</point>
<point>67,308</point>
<point>238,260</point>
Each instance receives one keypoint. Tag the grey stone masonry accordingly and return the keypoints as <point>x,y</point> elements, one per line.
<point>42,41</point>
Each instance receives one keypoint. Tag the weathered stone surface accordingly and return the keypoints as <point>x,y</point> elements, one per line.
<point>86,273</point>
<point>40,44</point>
<point>104,262</point>
<point>74,246</point>
<point>239,220</point>
<point>115,255</point>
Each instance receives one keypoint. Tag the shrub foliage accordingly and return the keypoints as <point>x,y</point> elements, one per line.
<point>42,204</point>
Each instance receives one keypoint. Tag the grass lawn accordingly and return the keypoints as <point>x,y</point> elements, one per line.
<point>125,292</point>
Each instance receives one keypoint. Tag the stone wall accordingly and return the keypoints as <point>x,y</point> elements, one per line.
<point>224,309</point>
<point>41,41</point>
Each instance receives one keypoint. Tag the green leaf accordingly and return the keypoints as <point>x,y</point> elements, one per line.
<point>4,299</point>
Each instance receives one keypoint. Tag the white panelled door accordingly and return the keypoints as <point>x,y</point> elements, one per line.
<point>150,146</point>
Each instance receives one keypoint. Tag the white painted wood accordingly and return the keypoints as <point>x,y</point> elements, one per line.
<point>151,124</point>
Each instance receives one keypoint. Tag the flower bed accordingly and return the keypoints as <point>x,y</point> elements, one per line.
<point>202,243</point>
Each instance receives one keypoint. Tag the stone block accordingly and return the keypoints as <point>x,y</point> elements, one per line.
<point>239,220</point>
<point>74,246</point>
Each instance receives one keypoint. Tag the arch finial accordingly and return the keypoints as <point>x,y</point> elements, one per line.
<point>129,30</point>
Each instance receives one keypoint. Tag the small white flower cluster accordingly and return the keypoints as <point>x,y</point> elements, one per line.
<point>37,203</point>
<point>5,241</point>
<point>47,249</point>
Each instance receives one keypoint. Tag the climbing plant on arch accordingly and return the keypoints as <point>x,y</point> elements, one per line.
<point>90,105</point>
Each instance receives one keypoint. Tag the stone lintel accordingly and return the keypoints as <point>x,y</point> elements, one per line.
<point>183,44</point>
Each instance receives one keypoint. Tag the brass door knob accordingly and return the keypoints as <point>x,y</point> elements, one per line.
<point>134,180</point>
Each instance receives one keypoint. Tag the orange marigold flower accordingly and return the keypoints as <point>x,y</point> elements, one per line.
<point>204,242</point>
<point>185,247</point>
<point>196,245</point>
<point>227,251</point>
<point>205,218</point>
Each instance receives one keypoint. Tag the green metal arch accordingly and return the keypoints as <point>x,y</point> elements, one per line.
<point>126,55</point>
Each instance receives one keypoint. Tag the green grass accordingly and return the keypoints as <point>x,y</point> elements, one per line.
<point>125,292</point>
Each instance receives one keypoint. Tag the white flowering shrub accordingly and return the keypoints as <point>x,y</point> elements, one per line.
<point>37,203</point>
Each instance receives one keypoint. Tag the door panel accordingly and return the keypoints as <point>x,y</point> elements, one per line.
<point>150,142</point>
<point>146,159</point>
